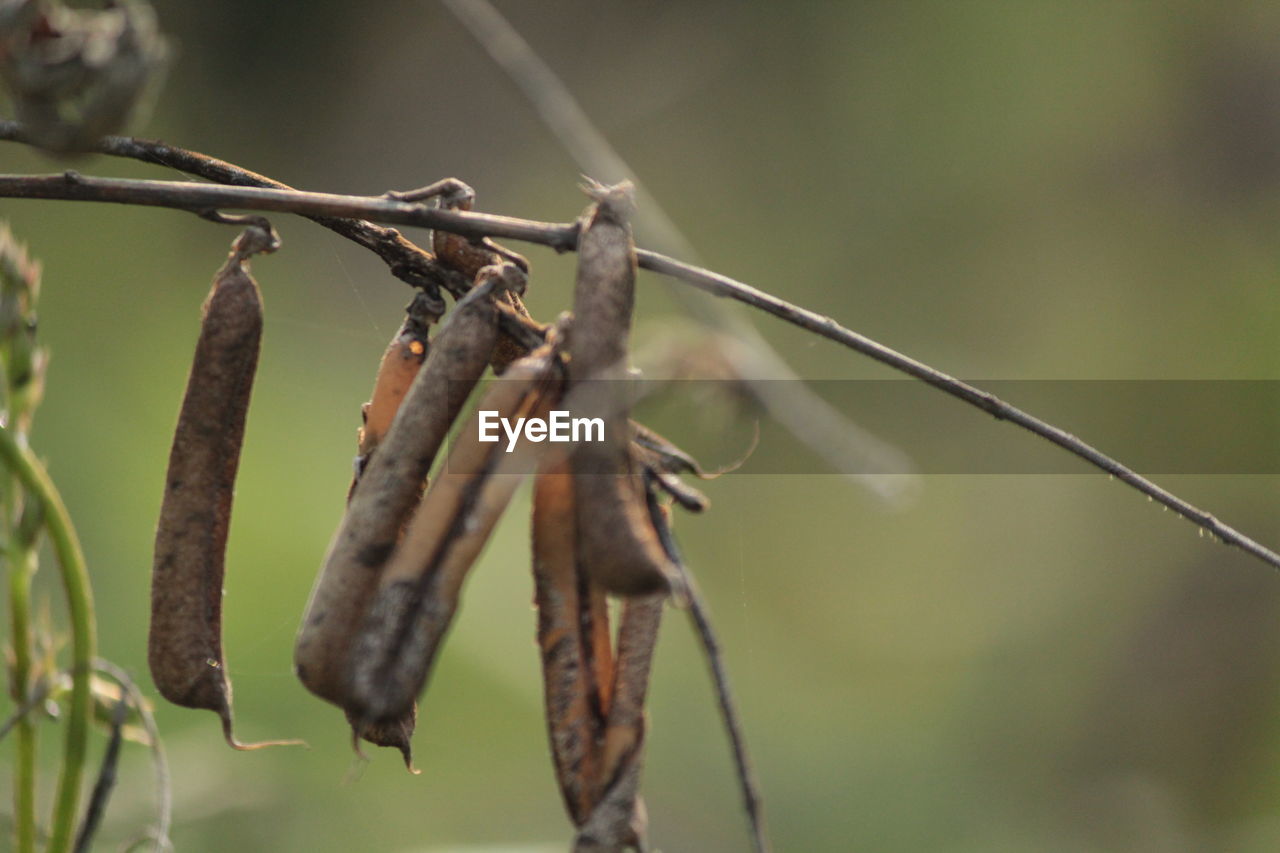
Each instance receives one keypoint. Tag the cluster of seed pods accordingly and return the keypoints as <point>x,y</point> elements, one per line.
<point>391,580</point>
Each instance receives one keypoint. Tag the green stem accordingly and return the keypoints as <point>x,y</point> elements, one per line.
<point>75,582</point>
<point>24,782</point>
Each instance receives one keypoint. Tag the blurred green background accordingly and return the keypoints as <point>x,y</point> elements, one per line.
<point>1008,191</point>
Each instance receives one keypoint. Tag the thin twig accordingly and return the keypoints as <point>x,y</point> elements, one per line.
<point>75,582</point>
<point>866,458</point>
<point>199,198</point>
<point>751,799</point>
<point>407,261</point>
<point>159,762</point>
<point>106,781</point>
<point>563,237</point>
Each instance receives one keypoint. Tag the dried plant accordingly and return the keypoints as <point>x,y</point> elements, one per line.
<point>391,582</point>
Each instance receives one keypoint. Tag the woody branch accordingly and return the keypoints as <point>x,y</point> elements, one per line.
<point>349,214</point>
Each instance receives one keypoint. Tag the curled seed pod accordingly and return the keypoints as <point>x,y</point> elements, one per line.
<point>574,641</point>
<point>388,490</point>
<point>419,588</point>
<point>616,541</point>
<point>185,640</point>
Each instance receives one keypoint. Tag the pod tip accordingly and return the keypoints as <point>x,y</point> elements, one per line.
<point>614,203</point>
<point>249,747</point>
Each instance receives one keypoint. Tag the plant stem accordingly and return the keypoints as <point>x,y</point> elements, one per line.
<point>201,198</point>
<point>563,237</point>
<point>408,262</point>
<point>17,456</point>
<point>21,564</point>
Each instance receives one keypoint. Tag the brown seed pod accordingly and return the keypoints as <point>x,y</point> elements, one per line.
<point>637,635</point>
<point>185,642</point>
<point>459,252</point>
<point>509,350</point>
<point>419,588</point>
<point>616,541</point>
<point>469,258</point>
<point>396,734</point>
<point>617,819</point>
<point>662,463</point>
<point>400,364</point>
<point>574,640</point>
<point>389,489</point>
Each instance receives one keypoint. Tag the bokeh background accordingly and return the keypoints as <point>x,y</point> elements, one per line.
<point>1050,190</point>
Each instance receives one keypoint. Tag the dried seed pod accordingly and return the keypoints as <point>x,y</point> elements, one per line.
<point>666,455</point>
<point>460,252</point>
<point>659,468</point>
<point>400,364</point>
<point>509,350</point>
<point>396,734</point>
<point>616,540</point>
<point>574,640</point>
<point>617,820</point>
<point>388,490</point>
<point>469,258</point>
<point>637,636</point>
<point>418,591</point>
<point>594,699</point>
<point>185,641</point>
<point>464,254</point>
